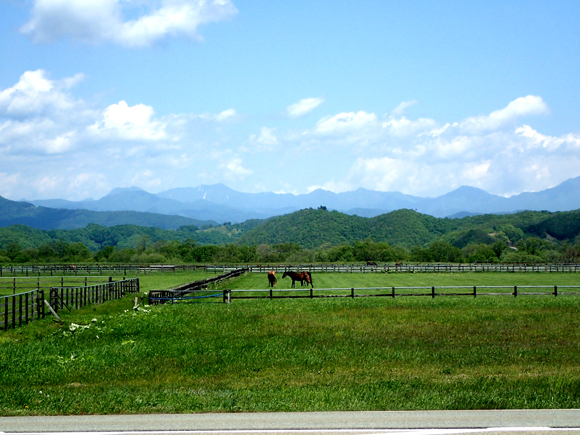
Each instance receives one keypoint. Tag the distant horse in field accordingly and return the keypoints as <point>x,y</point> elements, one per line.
<point>307,277</point>
<point>272,280</point>
<point>295,276</point>
<point>371,263</point>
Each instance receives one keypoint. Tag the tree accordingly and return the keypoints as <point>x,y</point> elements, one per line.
<point>480,253</point>
<point>13,250</point>
<point>532,245</point>
<point>77,252</point>
<point>443,252</point>
<point>512,233</point>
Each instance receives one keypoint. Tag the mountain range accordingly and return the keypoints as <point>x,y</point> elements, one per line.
<point>46,218</point>
<point>219,203</point>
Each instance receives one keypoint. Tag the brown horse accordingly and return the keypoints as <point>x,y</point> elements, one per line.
<point>295,276</point>
<point>307,277</point>
<point>272,280</point>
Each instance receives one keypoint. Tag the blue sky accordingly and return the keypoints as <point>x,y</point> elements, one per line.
<point>420,97</point>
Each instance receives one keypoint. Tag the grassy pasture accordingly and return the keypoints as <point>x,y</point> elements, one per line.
<point>151,281</point>
<point>303,355</point>
<point>425,280</point>
<point>347,280</point>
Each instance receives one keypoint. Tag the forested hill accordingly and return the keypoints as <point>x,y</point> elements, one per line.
<point>312,228</point>
<point>44,218</point>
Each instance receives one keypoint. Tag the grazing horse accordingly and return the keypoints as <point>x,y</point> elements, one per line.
<point>371,263</point>
<point>272,279</point>
<point>295,276</point>
<point>307,277</point>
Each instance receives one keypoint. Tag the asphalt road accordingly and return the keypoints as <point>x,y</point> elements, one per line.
<point>374,422</point>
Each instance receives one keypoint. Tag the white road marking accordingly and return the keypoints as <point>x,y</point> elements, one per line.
<point>313,431</point>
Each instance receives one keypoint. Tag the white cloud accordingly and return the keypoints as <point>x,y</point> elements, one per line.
<point>39,115</point>
<point>220,117</point>
<point>131,123</point>
<point>266,141</point>
<point>569,142</point>
<point>401,108</point>
<point>235,170</point>
<point>400,127</point>
<point>525,106</point>
<point>303,107</point>
<point>9,183</point>
<point>226,114</point>
<point>50,137</point>
<point>53,144</point>
<point>346,122</point>
<point>35,93</point>
<point>104,21</point>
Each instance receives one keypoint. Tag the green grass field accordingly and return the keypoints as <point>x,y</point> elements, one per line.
<point>302,355</point>
<point>347,280</point>
<point>423,282</point>
<point>151,281</point>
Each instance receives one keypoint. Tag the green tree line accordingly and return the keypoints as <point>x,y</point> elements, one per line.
<point>311,236</point>
<point>525,250</point>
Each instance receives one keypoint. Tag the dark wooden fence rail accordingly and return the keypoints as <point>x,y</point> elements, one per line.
<point>20,309</point>
<point>77,297</point>
<point>92,269</point>
<point>392,292</point>
<point>22,284</point>
<point>405,268</point>
<point>162,296</point>
<point>125,269</point>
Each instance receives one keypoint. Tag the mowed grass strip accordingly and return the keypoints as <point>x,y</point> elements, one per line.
<point>299,355</point>
<point>259,281</point>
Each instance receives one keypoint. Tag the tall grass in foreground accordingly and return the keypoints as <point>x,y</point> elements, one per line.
<point>298,355</point>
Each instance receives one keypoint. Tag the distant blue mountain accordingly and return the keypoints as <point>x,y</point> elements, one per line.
<point>222,204</point>
<point>45,218</point>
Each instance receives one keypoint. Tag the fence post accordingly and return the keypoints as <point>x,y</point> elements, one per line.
<point>393,292</point>
<point>41,293</point>
<point>474,291</point>
<point>433,292</point>
<point>6,314</point>
<point>20,310</point>
<point>555,290</point>
<point>515,290</point>
<point>352,293</point>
